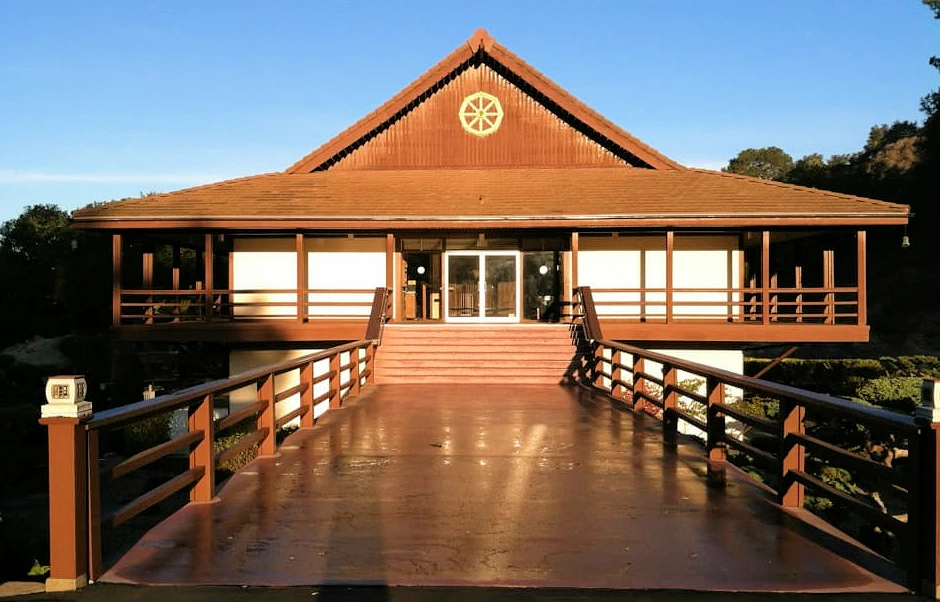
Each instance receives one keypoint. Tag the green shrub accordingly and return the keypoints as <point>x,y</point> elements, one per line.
<point>900,393</point>
<point>147,433</point>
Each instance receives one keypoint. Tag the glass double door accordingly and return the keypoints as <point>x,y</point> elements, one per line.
<point>482,286</point>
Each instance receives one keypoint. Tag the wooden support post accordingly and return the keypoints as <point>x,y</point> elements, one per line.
<point>356,385</point>
<point>572,275</point>
<point>793,455</point>
<point>116,256</point>
<point>597,366</point>
<point>175,281</point>
<point>177,260</point>
<point>774,298</point>
<point>765,277</point>
<point>390,276</point>
<point>230,301</point>
<point>335,381</point>
<point>670,400</point>
<point>266,419</point>
<point>208,263</point>
<point>829,278</point>
<point>616,374</point>
<point>306,398</point>
<point>146,271</point>
<point>68,504</point>
<point>370,362</point>
<point>715,433</point>
<point>670,249</point>
<point>642,285</point>
<point>201,418</point>
<point>861,280</point>
<point>301,278</point>
<point>94,505</point>
<point>639,384</point>
<point>798,285</point>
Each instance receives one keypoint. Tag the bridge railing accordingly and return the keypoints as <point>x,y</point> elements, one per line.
<point>295,391</point>
<point>796,448</point>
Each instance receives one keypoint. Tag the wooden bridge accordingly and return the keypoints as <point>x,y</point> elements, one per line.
<point>586,483</point>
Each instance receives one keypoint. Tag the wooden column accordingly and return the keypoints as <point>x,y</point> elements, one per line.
<point>146,270</point>
<point>208,263</point>
<point>798,285</point>
<point>575,242</point>
<point>765,276</point>
<point>670,248</point>
<point>116,256</point>
<point>638,387</point>
<point>616,375</point>
<point>336,382</point>
<point>306,398</point>
<point>861,281</point>
<point>176,267</point>
<point>829,282</point>
<point>230,298</point>
<point>301,278</point>
<point>390,273</point>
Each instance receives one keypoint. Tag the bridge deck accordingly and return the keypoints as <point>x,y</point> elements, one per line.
<point>539,486</point>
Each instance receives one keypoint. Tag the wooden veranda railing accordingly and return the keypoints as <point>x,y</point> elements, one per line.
<point>160,306</point>
<point>295,391</point>
<point>794,449</point>
<point>811,305</point>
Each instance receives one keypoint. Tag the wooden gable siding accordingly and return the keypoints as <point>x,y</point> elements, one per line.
<point>430,135</point>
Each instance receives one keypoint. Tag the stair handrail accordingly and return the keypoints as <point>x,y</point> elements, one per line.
<point>379,315</point>
<point>587,313</point>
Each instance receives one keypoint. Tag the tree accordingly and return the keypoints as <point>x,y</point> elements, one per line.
<point>54,279</point>
<point>769,163</point>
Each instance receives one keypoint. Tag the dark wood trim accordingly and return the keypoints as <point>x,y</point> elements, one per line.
<point>301,277</point>
<point>399,224</point>
<point>670,253</point>
<point>765,276</point>
<point>117,248</point>
<point>861,265</point>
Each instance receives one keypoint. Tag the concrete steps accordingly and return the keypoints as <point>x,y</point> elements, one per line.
<point>474,353</point>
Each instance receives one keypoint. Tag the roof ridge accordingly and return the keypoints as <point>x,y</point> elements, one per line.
<point>788,186</point>
<point>482,41</point>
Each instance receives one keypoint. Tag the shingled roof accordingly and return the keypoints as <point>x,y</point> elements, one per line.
<point>611,179</point>
<point>517,197</point>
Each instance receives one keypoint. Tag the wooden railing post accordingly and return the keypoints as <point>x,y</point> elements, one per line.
<point>715,433</point>
<point>116,259</point>
<point>266,419</point>
<point>202,454</point>
<point>597,366</point>
<point>94,506</point>
<point>355,385</point>
<point>64,415</point>
<point>371,350</point>
<point>616,375</point>
<point>924,555</point>
<point>306,398</point>
<point>765,277</point>
<point>792,455</point>
<point>335,381</point>
<point>639,383</point>
<point>670,404</point>
<point>208,259</point>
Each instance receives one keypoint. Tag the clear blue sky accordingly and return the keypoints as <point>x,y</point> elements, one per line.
<point>110,98</point>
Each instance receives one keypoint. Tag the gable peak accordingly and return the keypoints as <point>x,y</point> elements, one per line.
<point>481,40</point>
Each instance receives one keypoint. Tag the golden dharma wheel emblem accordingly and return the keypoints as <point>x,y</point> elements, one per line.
<point>480,114</point>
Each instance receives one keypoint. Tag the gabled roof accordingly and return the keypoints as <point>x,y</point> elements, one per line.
<point>479,198</point>
<point>481,47</point>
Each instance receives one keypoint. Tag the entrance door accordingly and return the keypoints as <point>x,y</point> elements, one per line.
<point>482,286</point>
